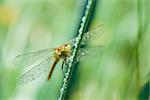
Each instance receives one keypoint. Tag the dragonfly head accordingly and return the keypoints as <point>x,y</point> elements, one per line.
<point>66,47</point>
<point>66,50</point>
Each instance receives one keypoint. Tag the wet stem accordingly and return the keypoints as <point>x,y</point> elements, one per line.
<point>82,29</point>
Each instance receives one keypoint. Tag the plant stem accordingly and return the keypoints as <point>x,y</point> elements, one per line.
<point>82,30</point>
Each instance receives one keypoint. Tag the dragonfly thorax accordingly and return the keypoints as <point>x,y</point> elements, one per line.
<point>63,51</point>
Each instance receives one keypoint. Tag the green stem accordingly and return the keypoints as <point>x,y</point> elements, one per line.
<point>82,30</point>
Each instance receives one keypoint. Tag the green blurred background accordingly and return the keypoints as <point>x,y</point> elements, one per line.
<point>118,72</point>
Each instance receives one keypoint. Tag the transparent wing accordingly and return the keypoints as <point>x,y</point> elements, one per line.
<point>94,34</point>
<point>88,52</point>
<point>91,35</point>
<point>88,45</point>
<point>28,59</point>
<point>35,72</point>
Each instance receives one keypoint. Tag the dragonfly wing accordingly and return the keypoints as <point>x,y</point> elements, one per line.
<point>28,59</point>
<point>35,72</point>
<point>88,45</point>
<point>95,34</point>
<point>88,52</point>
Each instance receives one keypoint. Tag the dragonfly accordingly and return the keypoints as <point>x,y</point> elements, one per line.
<point>40,60</point>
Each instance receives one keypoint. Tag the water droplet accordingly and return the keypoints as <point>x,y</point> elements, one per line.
<point>90,2</point>
<point>81,29</point>
<point>77,38</point>
<point>82,25</point>
<point>59,98</point>
<point>88,6</point>
<point>86,12</point>
<point>64,86</point>
<point>68,70</point>
<point>65,79</point>
<point>66,74</point>
<point>82,53</point>
<point>87,33</point>
<point>62,90</point>
<point>83,19</point>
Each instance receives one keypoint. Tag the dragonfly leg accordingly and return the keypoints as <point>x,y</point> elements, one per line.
<point>65,60</point>
<point>62,67</point>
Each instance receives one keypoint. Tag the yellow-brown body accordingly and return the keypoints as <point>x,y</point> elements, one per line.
<point>60,53</point>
